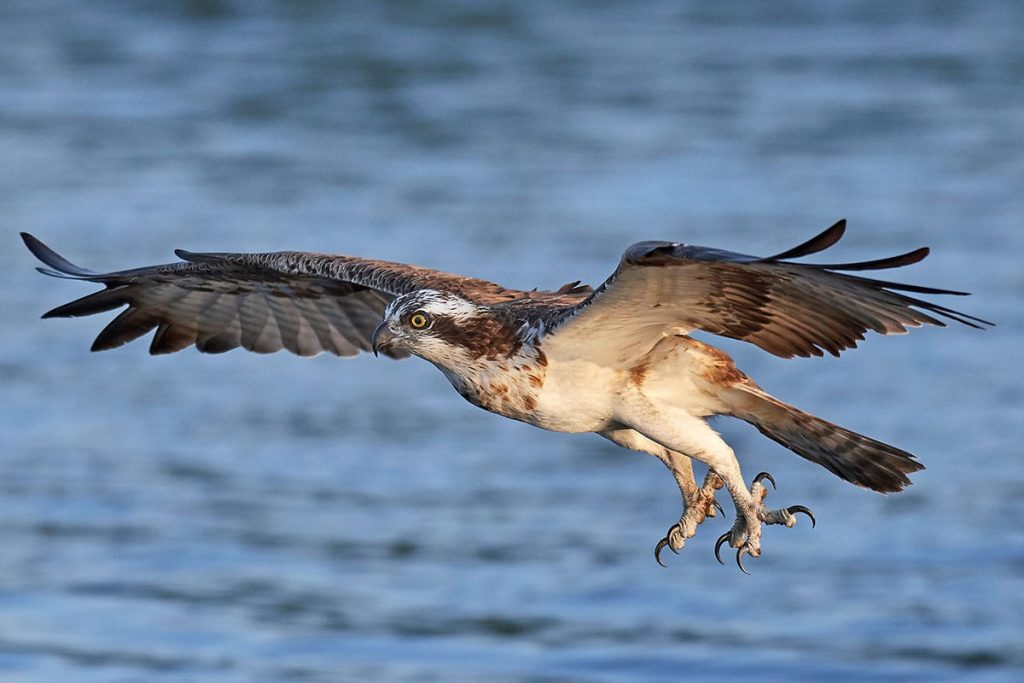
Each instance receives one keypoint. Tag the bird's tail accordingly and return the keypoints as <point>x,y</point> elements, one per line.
<point>856,458</point>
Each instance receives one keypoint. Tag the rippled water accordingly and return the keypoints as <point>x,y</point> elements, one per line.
<point>240,518</point>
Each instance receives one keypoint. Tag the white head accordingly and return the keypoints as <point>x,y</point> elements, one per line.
<point>437,326</point>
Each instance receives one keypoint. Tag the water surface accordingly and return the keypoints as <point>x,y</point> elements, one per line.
<point>240,517</point>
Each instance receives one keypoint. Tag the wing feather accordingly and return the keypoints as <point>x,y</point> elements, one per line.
<point>819,242</point>
<point>130,324</point>
<point>337,321</point>
<point>786,308</point>
<point>253,315</point>
<point>303,302</point>
<point>170,338</point>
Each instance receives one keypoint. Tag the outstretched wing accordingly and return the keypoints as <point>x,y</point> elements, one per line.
<point>305,303</point>
<point>788,309</point>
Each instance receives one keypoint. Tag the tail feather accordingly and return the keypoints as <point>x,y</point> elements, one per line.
<point>854,457</point>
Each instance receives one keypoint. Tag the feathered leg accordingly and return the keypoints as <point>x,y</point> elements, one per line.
<point>680,432</point>
<point>698,502</point>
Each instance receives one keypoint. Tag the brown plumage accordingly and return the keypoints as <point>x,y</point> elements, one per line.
<point>616,360</point>
<point>305,303</point>
<point>788,309</point>
<point>853,457</point>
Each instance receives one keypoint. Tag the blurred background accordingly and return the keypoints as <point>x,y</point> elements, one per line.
<point>248,518</point>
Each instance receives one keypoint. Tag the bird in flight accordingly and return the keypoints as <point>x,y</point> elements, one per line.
<point>616,360</point>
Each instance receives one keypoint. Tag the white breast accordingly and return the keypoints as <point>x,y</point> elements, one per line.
<point>561,389</point>
<point>577,396</point>
<point>581,394</point>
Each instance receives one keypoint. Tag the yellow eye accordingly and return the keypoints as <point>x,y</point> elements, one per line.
<point>418,321</point>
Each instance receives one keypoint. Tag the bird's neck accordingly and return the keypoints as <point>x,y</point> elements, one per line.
<point>506,385</point>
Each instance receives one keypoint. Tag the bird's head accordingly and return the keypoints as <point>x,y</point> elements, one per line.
<point>440,327</point>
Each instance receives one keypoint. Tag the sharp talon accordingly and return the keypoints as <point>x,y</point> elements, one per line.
<point>657,550</point>
<point>793,509</point>
<point>739,560</point>
<point>668,535</point>
<point>662,544</point>
<point>718,546</point>
<point>764,475</point>
<point>718,506</point>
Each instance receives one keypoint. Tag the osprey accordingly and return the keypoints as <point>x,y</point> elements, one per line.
<point>616,360</point>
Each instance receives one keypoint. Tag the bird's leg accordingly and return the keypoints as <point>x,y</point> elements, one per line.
<point>751,513</point>
<point>698,503</point>
<point>678,431</point>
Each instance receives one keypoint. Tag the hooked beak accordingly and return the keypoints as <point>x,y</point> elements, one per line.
<point>381,338</point>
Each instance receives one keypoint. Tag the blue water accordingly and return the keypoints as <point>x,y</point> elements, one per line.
<point>249,518</point>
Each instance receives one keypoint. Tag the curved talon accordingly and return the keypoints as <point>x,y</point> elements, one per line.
<point>739,560</point>
<point>765,475</point>
<point>793,509</point>
<point>718,546</point>
<point>662,545</point>
<point>657,550</point>
<point>718,506</point>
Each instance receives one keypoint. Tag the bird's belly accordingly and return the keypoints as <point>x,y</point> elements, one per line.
<point>576,397</point>
<point>679,372</point>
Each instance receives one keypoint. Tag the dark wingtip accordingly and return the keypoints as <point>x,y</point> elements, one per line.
<point>38,249</point>
<point>819,242</point>
<point>909,258</point>
<point>31,241</point>
<point>198,257</point>
<point>58,263</point>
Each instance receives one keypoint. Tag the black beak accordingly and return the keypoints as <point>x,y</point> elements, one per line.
<point>380,338</point>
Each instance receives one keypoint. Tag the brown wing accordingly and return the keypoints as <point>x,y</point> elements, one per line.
<point>785,308</point>
<point>305,303</point>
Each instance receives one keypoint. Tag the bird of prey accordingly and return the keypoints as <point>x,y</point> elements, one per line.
<point>616,360</point>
